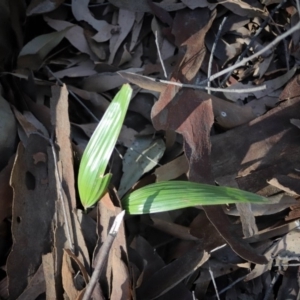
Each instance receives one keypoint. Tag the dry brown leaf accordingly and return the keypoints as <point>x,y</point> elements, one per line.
<point>125,21</point>
<point>29,123</point>
<point>226,114</point>
<point>84,69</point>
<point>6,192</point>
<point>271,86</point>
<point>34,207</point>
<point>261,106</point>
<point>290,285</point>
<point>7,43</point>
<point>286,183</point>
<point>192,4</point>
<point>41,112</point>
<point>7,136</point>
<point>244,211</point>
<point>247,219</point>
<point>266,146</point>
<point>173,169</point>
<point>37,7</point>
<point>136,29</point>
<point>276,203</point>
<point>288,244</point>
<point>120,278</point>
<point>105,81</point>
<point>292,89</point>
<point>170,275</point>
<point>35,51</point>
<point>36,286</point>
<point>75,35</point>
<point>178,231</point>
<point>151,262</point>
<point>52,289</point>
<point>63,237</point>
<point>242,8</point>
<point>68,275</point>
<point>224,51</point>
<point>81,12</point>
<point>4,288</point>
<point>106,212</point>
<point>143,6</point>
<point>99,102</point>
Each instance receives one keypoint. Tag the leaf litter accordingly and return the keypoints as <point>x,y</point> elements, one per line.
<point>247,140</point>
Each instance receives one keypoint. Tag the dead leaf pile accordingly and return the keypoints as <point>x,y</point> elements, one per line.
<point>62,62</point>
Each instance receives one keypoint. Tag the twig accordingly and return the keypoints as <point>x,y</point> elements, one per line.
<point>102,255</point>
<point>213,51</point>
<point>263,25</point>
<point>274,280</point>
<point>231,285</point>
<point>159,55</point>
<point>198,87</point>
<point>245,60</point>
<point>214,283</point>
<point>298,7</point>
<point>284,44</point>
<point>74,95</point>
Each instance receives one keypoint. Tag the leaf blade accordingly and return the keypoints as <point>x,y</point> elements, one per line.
<point>171,195</point>
<point>92,183</point>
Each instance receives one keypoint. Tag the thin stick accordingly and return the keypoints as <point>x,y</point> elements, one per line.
<point>102,255</point>
<point>61,197</point>
<point>74,95</point>
<point>231,285</point>
<point>263,25</point>
<point>159,55</point>
<point>197,87</point>
<point>245,60</point>
<point>214,283</point>
<point>298,7</point>
<point>274,280</point>
<point>213,51</point>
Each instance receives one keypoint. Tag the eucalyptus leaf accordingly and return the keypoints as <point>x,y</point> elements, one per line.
<point>35,51</point>
<point>170,195</point>
<point>92,183</point>
<point>141,157</point>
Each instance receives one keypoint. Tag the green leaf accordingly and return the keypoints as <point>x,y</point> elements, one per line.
<point>92,183</point>
<point>171,195</point>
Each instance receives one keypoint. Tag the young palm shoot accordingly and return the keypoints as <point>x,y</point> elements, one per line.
<point>92,180</point>
<point>157,197</point>
<point>170,195</point>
